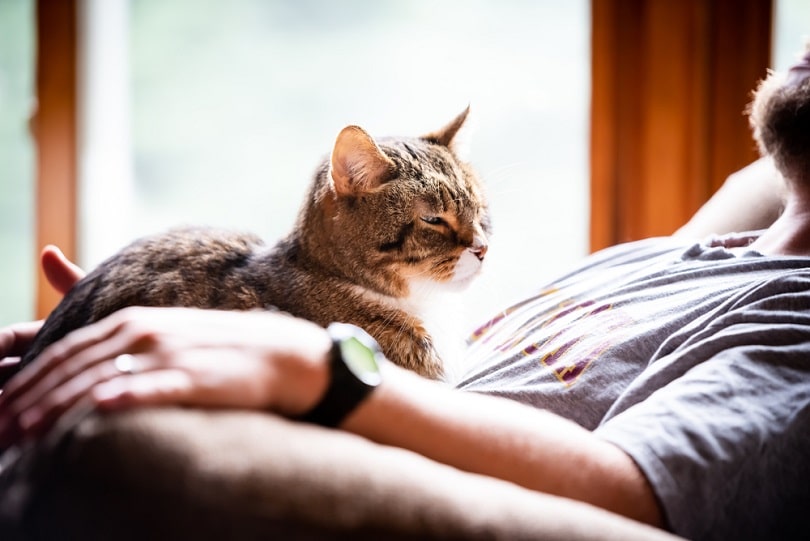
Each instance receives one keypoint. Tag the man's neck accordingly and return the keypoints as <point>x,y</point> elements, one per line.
<point>790,233</point>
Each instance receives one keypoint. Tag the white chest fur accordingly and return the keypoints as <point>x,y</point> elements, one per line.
<point>439,306</point>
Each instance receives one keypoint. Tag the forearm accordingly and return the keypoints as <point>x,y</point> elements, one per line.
<point>503,439</point>
<point>749,199</point>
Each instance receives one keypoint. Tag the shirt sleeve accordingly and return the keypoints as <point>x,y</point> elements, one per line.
<point>725,444</point>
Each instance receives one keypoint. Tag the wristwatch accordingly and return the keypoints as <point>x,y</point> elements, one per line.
<point>354,372</point>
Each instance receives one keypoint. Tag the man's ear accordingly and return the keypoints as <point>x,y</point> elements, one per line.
<point>358,164</point>
<point>451,135</point>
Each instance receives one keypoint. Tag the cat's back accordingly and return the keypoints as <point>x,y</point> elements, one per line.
<point>190,266</point>
<point>197,267</point>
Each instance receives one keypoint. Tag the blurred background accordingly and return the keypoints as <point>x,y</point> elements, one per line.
<point>217,112</point>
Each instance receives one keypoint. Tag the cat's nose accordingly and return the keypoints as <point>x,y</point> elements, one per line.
<point>479,247</point>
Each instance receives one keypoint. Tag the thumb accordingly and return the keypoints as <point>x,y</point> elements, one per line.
<point>61,272</point>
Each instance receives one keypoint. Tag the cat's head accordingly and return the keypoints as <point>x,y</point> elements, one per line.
<point>395,211</point>
<point>780,118</point>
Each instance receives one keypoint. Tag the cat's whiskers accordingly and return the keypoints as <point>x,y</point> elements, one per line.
<point>516,189</point>
<point>497,175</point>
<point>502,182</point>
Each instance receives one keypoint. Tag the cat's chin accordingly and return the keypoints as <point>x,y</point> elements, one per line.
<point>467,269</point>
<point>460,284</point>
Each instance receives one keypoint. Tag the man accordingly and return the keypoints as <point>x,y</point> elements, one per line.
<point>670,378</point>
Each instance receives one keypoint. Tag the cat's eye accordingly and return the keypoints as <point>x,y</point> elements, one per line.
<point>433,220</point>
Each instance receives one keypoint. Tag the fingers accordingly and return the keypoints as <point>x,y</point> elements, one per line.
<point>8,367</point>
<point>177,356</point>
<point>161,387</point>
<point>83,364</point>
<point>155,335</point>
<point>15,339</point>
<point>64,373</point>
<point>108,388</point>
<point>62,360</point>
<point>61,273</point>
<point>34,418</point>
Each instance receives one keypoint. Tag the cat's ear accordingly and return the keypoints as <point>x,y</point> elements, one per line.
<point>451,135</point>
<point>358,164</point>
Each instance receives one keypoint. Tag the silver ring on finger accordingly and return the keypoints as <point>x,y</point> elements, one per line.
<point>126,364</point>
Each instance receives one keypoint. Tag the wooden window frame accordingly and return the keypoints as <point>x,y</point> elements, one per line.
<point>670,82</point>
<point>54,126</point>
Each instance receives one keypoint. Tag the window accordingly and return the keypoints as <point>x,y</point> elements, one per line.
<point>17,271</point>
<point>209,114</point>
<point>233,104</point>
<point>790,31</point>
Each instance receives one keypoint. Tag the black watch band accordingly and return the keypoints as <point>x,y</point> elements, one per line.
<point>353,374</point>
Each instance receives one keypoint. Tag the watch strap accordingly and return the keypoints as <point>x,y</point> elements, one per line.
<point>343,394</point>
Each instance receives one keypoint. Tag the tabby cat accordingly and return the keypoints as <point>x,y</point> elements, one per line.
<point>381,219</point>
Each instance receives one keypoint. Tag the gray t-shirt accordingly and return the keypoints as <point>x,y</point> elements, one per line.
<point>693,359</point>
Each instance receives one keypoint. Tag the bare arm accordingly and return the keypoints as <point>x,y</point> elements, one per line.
<point>268,361</point>
<point>507,440</point>
<point>749,199</point>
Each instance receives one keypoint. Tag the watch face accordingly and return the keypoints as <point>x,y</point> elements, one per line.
<point>360,353</point>
<point>361,359</point>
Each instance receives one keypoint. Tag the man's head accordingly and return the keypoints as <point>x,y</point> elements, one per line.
<point>780,118</point>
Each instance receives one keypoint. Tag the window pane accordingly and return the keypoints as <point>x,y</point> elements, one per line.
<point>791,31</point>
<point>17,271</point>
<point>234,104</point>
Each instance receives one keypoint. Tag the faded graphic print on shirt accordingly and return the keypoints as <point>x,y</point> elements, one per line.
<point>579,343</point>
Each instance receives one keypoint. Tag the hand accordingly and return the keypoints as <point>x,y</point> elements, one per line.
<point>178,356</point>
<point>15,339</point>
<point>799,71</point>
